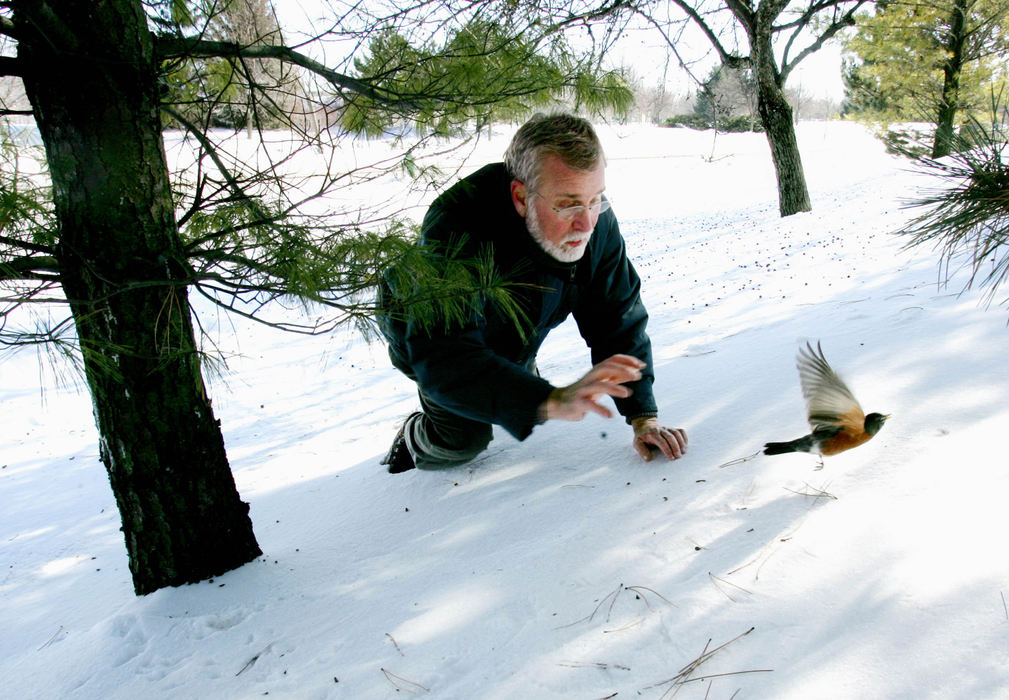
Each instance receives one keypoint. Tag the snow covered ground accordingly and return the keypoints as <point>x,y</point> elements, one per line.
<point>564,567</point>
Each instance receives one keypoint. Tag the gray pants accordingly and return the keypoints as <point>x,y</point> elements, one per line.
<point>439,439</point>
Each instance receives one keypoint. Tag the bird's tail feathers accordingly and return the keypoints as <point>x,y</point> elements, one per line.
<point>803,444</point>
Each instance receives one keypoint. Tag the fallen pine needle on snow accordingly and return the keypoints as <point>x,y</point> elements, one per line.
<point>715,580</point>
<point>400,683</point>
<point>633,623</point>
<point>252,662</point>
<point>639,593</point>
<point>588,618</point>
<point>57,634</point>
<point>685,673</point>
<point>723,675</point>
<point>639,589</point>
<point>594,664</point>
<point>767,550</point>
<point>739,460</point>
<point>813,492</point>
<point>393,640</point>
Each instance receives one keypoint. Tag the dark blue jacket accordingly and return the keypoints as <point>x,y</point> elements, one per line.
<point>481,370</point>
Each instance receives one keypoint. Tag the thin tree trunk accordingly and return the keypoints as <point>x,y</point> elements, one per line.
<point>952,68</point>
<point>776,117</point>
<point>92,83</point>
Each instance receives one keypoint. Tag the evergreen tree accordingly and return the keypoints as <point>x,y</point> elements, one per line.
<point>933,62</point>
<point>118,242</point>
<point>967,217</point>
<point>727,93</point>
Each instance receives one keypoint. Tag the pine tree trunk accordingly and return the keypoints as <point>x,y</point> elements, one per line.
<point>952,68</point>
<point>776,117</point>
<point>92,81</point>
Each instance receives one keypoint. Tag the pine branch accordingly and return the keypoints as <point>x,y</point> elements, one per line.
<point>7,28</point>
<point>10,66</point>
<point>28,267</point>
<point>175,47</point>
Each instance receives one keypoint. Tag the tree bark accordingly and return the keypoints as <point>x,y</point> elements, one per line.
<point>951,69</point>
<point>91,77</point>
<point>776,115</point>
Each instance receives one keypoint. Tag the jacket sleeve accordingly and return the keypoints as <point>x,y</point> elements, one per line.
<point>457,368</point>
<point>462,374</point>
<point>612,319</point>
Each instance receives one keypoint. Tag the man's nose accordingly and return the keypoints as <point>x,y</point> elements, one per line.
<point>583,221</point>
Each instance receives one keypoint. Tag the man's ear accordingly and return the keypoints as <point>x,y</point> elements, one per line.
<point>520,197</point>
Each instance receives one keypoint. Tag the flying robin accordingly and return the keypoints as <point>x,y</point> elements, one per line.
<point>837,420</point>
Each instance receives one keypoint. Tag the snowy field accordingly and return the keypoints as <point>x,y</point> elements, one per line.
<point>564,567</point>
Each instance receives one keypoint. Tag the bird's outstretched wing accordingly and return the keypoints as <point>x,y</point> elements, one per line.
<point>829,401</point>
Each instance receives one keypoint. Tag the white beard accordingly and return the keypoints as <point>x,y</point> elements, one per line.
<point>558,251</point>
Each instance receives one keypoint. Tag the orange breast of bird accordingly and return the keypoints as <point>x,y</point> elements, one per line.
<point>844,440</point>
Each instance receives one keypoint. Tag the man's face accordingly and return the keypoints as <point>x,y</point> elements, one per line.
<point>562,234</point>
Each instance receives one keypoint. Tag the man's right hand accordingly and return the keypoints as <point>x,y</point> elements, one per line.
<point>572,402</point>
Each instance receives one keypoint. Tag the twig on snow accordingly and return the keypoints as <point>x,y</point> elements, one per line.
<point>1006,607</point>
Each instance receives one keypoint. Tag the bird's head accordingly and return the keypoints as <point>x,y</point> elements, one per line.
<point>874,421</point>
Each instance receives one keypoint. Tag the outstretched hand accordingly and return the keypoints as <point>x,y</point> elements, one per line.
<point>651,438</point>
<point>572,402</point>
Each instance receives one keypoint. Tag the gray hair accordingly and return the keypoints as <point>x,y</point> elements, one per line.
<point>566,136</point>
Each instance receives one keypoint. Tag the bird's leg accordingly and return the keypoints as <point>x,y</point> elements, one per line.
<point>819,466</point>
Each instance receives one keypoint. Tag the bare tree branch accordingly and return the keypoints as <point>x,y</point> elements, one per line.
<point>846,20</point>
<point>729,59</point>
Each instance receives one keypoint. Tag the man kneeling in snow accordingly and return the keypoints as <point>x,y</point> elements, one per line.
<point>543,218</point>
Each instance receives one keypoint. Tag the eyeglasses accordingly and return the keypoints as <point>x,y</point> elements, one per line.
<point>569,213</point>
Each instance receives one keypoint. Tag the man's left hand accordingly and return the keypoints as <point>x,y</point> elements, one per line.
<point>650,437</point>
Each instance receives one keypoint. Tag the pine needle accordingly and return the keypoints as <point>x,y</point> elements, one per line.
<point>685,673</point>
<point>728,583</point>
<point>740,460</point>
<point>813,492</point>
<point>400,683</point>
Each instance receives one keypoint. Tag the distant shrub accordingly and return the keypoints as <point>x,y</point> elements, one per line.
<point>907,140</point>
<point>691,121</point>
<point>699,121</point>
